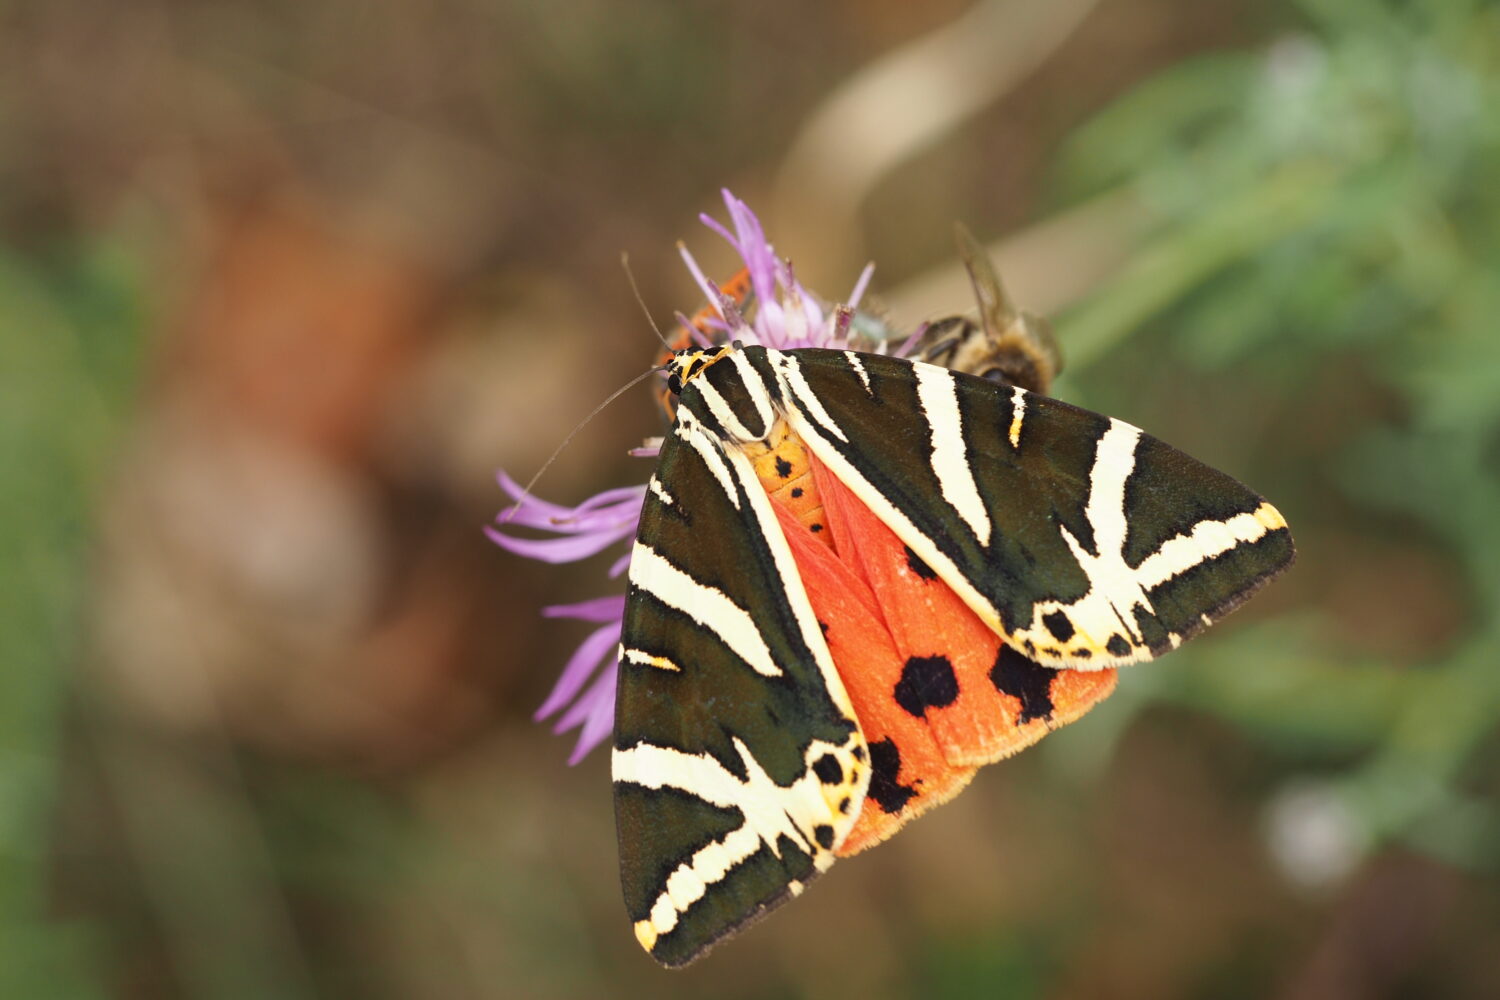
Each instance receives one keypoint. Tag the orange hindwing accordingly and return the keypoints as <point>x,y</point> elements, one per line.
<point>936,691</point>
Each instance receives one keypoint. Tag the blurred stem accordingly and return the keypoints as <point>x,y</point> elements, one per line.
<point>899,106</point>
<point>1164,271</point>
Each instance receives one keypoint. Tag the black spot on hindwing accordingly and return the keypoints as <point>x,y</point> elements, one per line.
<point>885,791</point>
<point>1026,680</point>
<point>926,682</point>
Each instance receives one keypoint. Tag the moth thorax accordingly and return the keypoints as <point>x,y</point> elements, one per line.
<point>782,464</point>
<point>689,364</point>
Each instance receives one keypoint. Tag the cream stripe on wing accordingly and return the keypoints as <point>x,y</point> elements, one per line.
<point>795,382</point>
<point>1018,413</point>
<point>1206,540</point>
<point>713,456</point>
<point>1114,461</point>
<point>659,491</point>
<point>645,659</point>
<point>859,369</point>
<point>753,388</point>
<point>937,392</point>
<point>771,812</point>
<point>708,606</point>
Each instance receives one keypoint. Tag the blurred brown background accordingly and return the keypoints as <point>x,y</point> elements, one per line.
<point>283,284</point>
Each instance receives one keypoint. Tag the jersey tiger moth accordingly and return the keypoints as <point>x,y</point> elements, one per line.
<point>859,577</point>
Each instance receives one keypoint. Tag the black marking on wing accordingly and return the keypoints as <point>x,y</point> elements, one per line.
<point>726,377</point>
<point>1026,680</point>
<point>828,769</point>
<point>885,765</point>
<point>926,682</point>
<point>1058,624</point>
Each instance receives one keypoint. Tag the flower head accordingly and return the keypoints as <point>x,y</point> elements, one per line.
<point>784,316</point>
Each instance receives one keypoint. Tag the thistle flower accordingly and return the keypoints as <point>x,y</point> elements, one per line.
<point>784,316</point>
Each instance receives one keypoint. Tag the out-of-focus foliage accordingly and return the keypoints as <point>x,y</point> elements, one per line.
<point>1328,206</point>
<point>281,285</point>
<point>69,323</point>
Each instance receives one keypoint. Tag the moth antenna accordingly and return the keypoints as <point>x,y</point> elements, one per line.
<point>526,490</point>
<point>630,276</point>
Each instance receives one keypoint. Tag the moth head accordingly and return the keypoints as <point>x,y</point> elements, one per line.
<point>689,364</point>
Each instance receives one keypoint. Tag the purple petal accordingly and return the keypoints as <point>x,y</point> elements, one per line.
<point>581,666</point>
<point>620,565</point>
<point>601,720</point>
<point>861,285</point>
<point>600,609</point>
<point>622,496</point>
<point>910,342</point>
<point>525,516</point>
<point>525,502</point>
<point>580,709</point>
<point>752,246</point>
<point>616,520</point>
<point>607,511</point>
<point>718,227</point>
<point>556,550</point>
<point>693,331</point>
<point>704,285</point>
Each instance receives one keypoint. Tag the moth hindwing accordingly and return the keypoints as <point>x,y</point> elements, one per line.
<point>739,764</point>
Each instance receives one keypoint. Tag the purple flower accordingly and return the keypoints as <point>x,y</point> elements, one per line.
<point>784,316</point>
<point>592,526</point>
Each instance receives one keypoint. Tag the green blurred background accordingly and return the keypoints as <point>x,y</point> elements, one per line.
<point>282,284</point>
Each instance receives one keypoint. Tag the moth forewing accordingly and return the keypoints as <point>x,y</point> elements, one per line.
<point>735,745</point>
<point>1078,538</point>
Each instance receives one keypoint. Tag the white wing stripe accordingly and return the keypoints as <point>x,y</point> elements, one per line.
<point>708,606</point>
<point>1206,540</point>
<point>859,369</point>
<point>645,659</point>
<point>770,810</point>
<point>795,384</point>
<point>711,454</point>
<point>724,413</point>
<point>1018,413</point>
<point>1114,461</point>
<point>938,395</point>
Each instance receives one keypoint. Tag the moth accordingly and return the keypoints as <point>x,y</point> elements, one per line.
<point>777,708</point>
